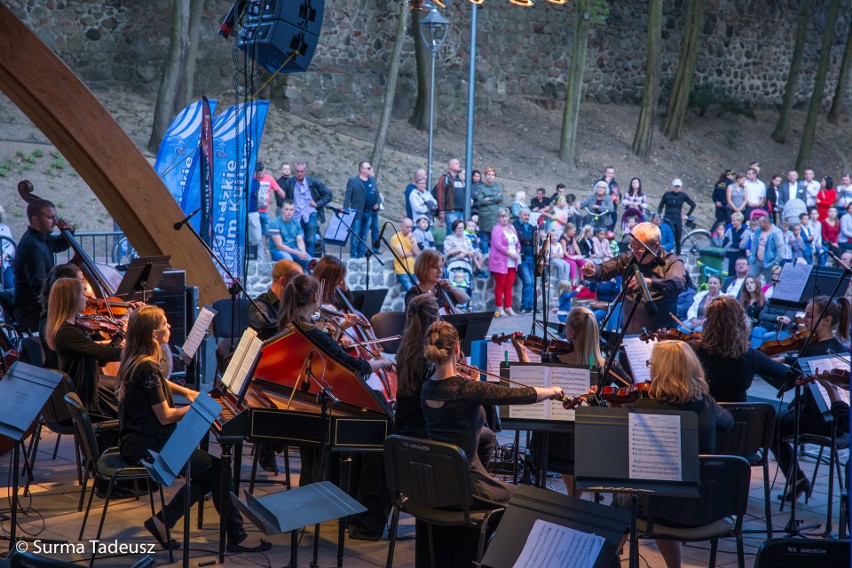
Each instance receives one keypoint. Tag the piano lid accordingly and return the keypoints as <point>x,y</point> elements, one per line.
<point>282,358</point>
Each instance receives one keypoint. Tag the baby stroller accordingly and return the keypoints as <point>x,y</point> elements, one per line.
<point>631,212</point>
<point>460,275</point>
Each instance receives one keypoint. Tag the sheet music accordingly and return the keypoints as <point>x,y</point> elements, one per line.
<point>638,352</point>
<point>336,230</point>
<point>553,546</point>
<point>791,284</point>
<point>824,365</point>
<point>531,376</point>
<point>574,382</point>
<point>241,361</point>
<point>655,446</point>
<point>199,329</point>
<point>495,354</point>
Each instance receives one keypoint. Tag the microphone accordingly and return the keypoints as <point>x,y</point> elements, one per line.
<point>378,242</point>
<point>185,220</point>
<point>539,261</point>
<point>650,305</point>
<point>306,371</point>
<point>839,262</point>
<point>336,210</point>
<point>658,260</point>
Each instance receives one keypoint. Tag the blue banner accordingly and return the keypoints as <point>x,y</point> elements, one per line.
<point>236,139</point>
<point>178,155</point>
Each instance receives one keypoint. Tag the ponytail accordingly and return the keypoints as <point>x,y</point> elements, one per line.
<point>840,312</point>
<point>296,295</point>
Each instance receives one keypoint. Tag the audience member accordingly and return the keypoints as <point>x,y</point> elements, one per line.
<point>418,173</point>
<point>423,233</point>
<point>733,284</point>
<point>287,241</point>
<point>490,203</point>
<point>790,190</point>
<point>831,230</point>
<point>755,191</point>
<point>503,262</point>
<point>540,201</point>
<point>671,207</point>
<point>826,197</point>
<point>362,195</point>
<point>812,188</point>
<point>310,197</point>
<point>420,201</point>
<point>406,249</point>
<point>767,248</point>
<point>737,238</point>
<point>527,234</point>
<point>772,192</point>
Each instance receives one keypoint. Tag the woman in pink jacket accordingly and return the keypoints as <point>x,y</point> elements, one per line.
<point>503,262</point>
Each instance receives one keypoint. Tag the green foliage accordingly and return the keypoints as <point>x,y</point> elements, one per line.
<point>730,136</point>
<point>17,212</point>
<point>56,154</point>
<point>598,12</point>
<point>704,98</point>
<point>37,154</point>
<point>58,164</point>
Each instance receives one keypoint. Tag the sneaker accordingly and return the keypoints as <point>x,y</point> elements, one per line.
<point>510,312</point>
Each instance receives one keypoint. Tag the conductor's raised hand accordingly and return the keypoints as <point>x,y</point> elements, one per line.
<point>589,270</point>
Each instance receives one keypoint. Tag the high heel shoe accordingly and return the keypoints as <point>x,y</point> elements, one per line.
<point>795,490</point>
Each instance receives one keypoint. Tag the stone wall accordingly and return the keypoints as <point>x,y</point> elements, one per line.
<point>746,47</point>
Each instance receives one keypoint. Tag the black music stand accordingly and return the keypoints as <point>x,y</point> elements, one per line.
<point>338,228</point>
<point>143,275</point>
<point>24,391</point>
<point>369,302</point>
<point>609,472</point>
<point>471,327</point>
<point>175,455</point>
<point>529,504</point>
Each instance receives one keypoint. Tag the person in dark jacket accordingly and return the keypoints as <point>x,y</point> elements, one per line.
<point>310,196</point>
<point>671,207</point>
<point>362,196</point>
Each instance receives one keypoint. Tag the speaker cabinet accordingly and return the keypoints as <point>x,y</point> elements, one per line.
<point>283,36</point>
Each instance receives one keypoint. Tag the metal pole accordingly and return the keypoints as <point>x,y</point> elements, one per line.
<point>433,50</point>
<point>468,154</point>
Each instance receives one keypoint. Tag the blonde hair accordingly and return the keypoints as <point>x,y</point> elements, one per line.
<point>140,345</point>
<point>563,286</point>
<point>676,373</point>
<point>587,343</point>
<point>441,341</point>
<point>62,304</point>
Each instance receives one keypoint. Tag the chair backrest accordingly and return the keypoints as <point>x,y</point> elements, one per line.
<point>795,552</point>
<point>752,431</point>
<point>56,409</point>
<point>31,351</point>
<point>431,473</point>
<point>222,319</point>
<point>83,426</point>
<point>723,492</point>
<point>7,305</point>
<point>386,324</point>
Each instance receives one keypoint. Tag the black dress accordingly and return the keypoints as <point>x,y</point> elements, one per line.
<point>461,418</point>
<point>81,358</point>
<point>729,379</point>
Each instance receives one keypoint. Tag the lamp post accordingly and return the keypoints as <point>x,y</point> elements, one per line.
<point>468,153</point>
<point>433,32</point>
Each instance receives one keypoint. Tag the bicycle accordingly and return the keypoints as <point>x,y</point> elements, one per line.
<point>695,239</point>
<point>593,218</point>
<point>122,251</point>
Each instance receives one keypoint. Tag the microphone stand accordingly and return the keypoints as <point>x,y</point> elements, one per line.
<point>793,528</point>
<point>235,289</point>
<point>369,250</point>
<point>396,256</point>
<point>538,258</point>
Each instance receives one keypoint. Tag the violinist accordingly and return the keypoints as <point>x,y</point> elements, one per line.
<point>269,302</point>
<point>34,259</point>
<point>429,269</point>
<point>331,271</point>
<point>729,363</point>
<point>412,369</point>
<point>832,334</point>
<point>78,354</point>
<point>664,282</point>
<point>59,271</point>
<point>677,383</point>
<point>453,407</point>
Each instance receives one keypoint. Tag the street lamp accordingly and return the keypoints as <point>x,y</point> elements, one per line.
<point>433,32</point>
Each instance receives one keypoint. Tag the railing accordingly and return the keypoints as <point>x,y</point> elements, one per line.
<point>108,247</point>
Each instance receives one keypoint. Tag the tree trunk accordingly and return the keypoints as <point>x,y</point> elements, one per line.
<point>842,80</point>
<point>186,89</point>
<point>420,117</point>
<point>780,132</point>
<point>644,137</point>
<point>679,100</point>
<point>574,89</point>
<point>807,145</point>
<point>390,89</point>
<point>171,74</point>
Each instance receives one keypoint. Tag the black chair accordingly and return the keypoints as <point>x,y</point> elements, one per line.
<point>750,438</point>
<point>790,552</point>
<point>31,351</point>
<point>723,495</point>
<point>387,324</point>
<point>222,328</point>
<point>108,466</point>
<point>431,481</point>
<point>56,416</point>
<point>20,559</point>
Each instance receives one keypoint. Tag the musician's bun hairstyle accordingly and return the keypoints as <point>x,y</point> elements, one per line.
<point>441,341</point>
<point>296,295</point>
<point>839,310</point>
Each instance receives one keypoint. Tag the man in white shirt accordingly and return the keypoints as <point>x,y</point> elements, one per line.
<point>755,192</point>
<point>733,285</point>
<point>812,187</point>
<point>844,193</point>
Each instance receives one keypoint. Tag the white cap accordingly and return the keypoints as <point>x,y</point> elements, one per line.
<point>676,182</point>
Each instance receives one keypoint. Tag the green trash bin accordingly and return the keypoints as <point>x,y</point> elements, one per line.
<point>712,262</point>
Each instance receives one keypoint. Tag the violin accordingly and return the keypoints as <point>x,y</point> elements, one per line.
<point>779,346</point>
<point>670,335</point>
<point>837,377</point>
<point>613,396</point>
<point>536,344</point>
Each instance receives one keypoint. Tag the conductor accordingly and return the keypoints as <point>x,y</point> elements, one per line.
<point>663,275</point>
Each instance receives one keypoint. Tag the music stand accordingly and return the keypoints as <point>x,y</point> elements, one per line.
<point>338,228</point>
<point>471,327</point>
<point>369,302</point>
<point>610,471</point>
<point>143,275</point>
<point>24,391</point>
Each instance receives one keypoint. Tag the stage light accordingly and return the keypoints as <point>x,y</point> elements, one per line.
<point>523,3</point>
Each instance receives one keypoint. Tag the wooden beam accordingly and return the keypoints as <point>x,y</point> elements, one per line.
<point>67,112</point>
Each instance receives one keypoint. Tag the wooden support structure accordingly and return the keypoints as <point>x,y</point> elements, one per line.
<point>67,112</point>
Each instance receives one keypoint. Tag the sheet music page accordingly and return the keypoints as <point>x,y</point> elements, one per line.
<point>336,230</point>
<point>251,356</point>
<point>531,376</point>
<point>654,446</point>
<point>554,546</point>
<point>823,365</point>
<point>199,329</point>
<point>229,375</point>
<point>574,382</point>
<point>638,352</point>
<point>791,284</point>
<point>495,354</point>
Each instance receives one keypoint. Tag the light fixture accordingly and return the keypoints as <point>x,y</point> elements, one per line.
<point>424,5</point>
<point>477,2</point>
<point>558,2</point>
<point>433,30</point>
<point>523,3</point>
